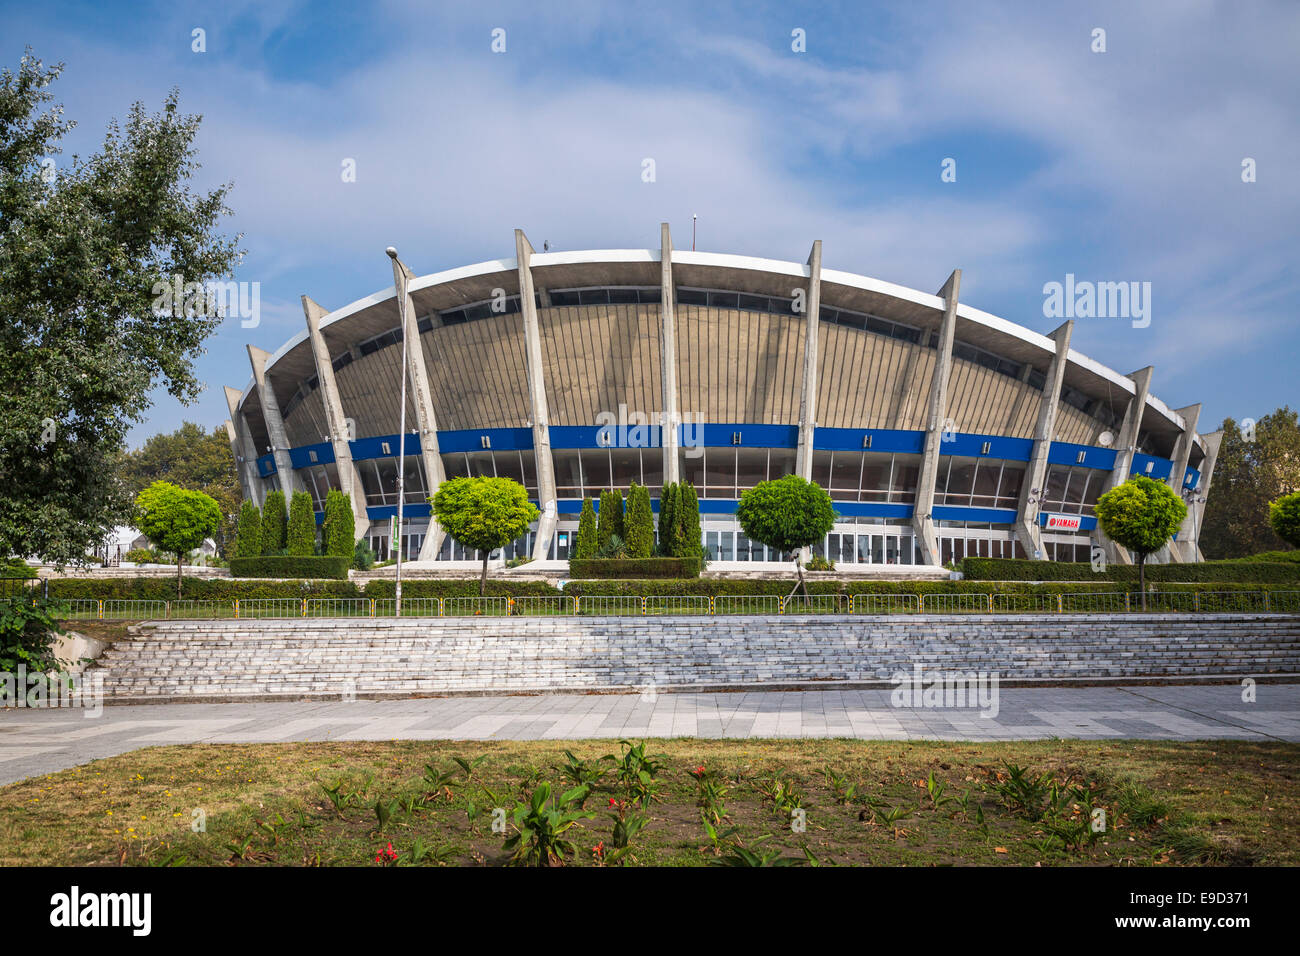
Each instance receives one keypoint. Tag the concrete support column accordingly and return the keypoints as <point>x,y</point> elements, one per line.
<point>1191,414</point>
<point>1031,492</point>
<point>808,391</point>
<point>340,434</point>
<point>275,432</point>
<point>537,400</point>
<point>1191,529</point>
<point>245,451</point>
<point>922,512</point>
<point>422,399</point>
<point>1125,448</point>
<point>245,492</point>
<point>668,436</point>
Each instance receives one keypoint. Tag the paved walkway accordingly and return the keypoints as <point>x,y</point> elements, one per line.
<point>40,741</point>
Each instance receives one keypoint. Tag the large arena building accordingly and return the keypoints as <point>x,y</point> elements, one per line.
<point>940,431</point>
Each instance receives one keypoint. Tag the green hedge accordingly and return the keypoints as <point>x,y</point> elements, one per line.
<point>707,587</point>
<point>462,587</point>
<point>1253,572</point>
<point>634,567</point>
<point>291,566</point>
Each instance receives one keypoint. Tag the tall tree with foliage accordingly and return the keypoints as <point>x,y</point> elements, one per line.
<point>483,514</point>
<point>191,458</point>
<point>1284,516</point>
<point>640,522</point>
<point>585,546</point>
<point>339,530</point>
<point>176,520</point>
<point>690,536</point>
<point>275,523</point>
<point>302,525</point>
<point>1254,468</point>
<point>85,245</point>
<point>788,514</point>
<point>669,525</point>
<point>1142,515</point>
<point>609,522</point>
<point>248,539</point>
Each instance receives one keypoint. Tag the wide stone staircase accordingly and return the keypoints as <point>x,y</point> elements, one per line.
<point>331,658</point>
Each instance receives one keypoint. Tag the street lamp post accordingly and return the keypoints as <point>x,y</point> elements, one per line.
<point>401,437</point>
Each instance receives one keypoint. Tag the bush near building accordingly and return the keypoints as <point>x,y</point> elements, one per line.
<point>301,539</point>
<point>609,522</point>
<point>635,568</point>
<point>639,522</point>
<point>585,546</point>
<point>274,523</point>
<point>292,566</point>
<point>248,536</point>
<point>338,532</point>
<point>1239,571</point>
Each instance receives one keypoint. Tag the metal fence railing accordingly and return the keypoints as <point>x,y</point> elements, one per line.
<point>594,605</point>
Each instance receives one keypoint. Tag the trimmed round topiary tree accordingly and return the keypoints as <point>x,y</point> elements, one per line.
<point>176,520</point>
<point>1142,515</point>
<point>787,514</point>
<point>483,514</point>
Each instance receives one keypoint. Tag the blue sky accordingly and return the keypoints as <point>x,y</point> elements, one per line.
<point>1115,166</point>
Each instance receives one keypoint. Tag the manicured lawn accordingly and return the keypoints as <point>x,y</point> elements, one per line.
<point>1165,803</point>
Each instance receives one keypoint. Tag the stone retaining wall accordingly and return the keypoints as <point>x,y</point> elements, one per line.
<point>329,657</point>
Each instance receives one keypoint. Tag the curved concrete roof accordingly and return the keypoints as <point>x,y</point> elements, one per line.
<point>640,267</point>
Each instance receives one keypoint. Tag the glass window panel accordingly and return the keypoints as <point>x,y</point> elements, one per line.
<point>508,465</point>
<point>626,465</point>
<point>652,468</point>
<point>961,481</point>
<point>568,476</point>
<point>1057,478</point>
<point>907,471</point>
<point>720,472</point>
<point>595,470</point>
<point>875,477</point>
<point>454,465</point>
<point>693,468</point>
<point>530,470</point>
<point>821,468</point>
<point>481,464</point>
<point>751,464</point>
<point>724,545</point>
<point>1013,476</point>
<point>864,548</point>
<point>370,483</point>
<point>846,471</point>
<point>986,478</point>
<point>780,463</point>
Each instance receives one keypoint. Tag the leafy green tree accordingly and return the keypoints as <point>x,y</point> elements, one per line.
<point>669,525</point>
<point>248,540</point>
<point>275,536</point>
<point>191,458</point>
<point>1284,516</point>
<point>1253,469</point>
<point>176,520</point>
<point>640,522</point>
<point>338,533</point>
<point>1142,515</point>
<point>86,335</point>
<point>609,523</point>
<point>483,514</point>
<point>788,514</point>
<point>586,545</point>
<point>302,525</point>
<point>690,537</point>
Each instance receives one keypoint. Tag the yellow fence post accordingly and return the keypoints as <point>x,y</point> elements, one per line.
<point>510,606</point>
<point>850,603</point>
<point>1128,601</point>
<point>920,603</point>
<point>1265,600</point>
<point>643,604</point>
<point>442,607</point>
<point>372,607</point>
<point>712,608</point>
<point>1060,603</point>
<point>990,603</point>
<point>304,607</point>
<point>101,610</point>
<point>575,604</point>
<point>236,608</point>
<point>1196,600</point>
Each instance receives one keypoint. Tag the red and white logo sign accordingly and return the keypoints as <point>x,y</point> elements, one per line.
<point>1062,522</point>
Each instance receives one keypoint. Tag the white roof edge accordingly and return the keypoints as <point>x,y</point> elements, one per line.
<point>239,405</point>
<point>750,263</point>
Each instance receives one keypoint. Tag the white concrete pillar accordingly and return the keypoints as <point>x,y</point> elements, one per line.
<point>426,422</point>
<point>923,511</point>
<point>1196,514</point>
<point>808,390</point>
<point>1190,415</point>
<point>245,451</point>
<point>1125,448</point>
<point>537,398</point>
<point>671,417</point>
<point>271,417</point>
<point>340,432</point>
<point>1031,492</point>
